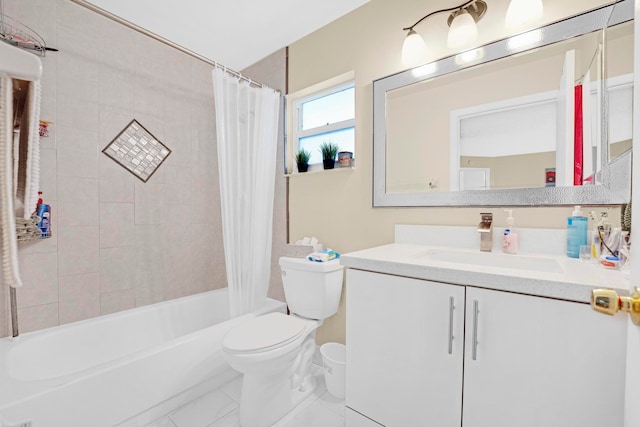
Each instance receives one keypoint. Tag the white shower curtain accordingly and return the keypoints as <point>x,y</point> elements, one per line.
<point>247,130</point>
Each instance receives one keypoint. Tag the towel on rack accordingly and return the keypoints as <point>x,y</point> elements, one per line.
<point>10,271</point>
<point>27,154</point>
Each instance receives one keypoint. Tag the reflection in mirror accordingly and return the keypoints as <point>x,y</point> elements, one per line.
<point>516,126</point>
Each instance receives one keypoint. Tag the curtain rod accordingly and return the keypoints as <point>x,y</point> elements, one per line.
<point>161,39</point>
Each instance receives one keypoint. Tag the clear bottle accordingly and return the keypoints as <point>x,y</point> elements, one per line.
<point>576,233</point>
<point>510,235</point>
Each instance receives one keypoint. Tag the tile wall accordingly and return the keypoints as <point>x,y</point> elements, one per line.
<point>117,242</point>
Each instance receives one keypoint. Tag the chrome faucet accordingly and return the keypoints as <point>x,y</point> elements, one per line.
<point>485,228</point>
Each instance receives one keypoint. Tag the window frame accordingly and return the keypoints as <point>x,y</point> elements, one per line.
<point>298,133</point>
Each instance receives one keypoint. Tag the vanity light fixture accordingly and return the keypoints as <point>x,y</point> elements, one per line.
<point>522,13</point>
<point>524,40</point>
<point>469,56</point>
<point>462,30</point>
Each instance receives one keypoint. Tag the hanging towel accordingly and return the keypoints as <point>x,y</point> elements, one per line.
<point>27,156</point>
<point>577,136</point>
<point>10,272</point>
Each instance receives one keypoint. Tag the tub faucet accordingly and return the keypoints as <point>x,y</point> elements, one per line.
<point>485,228</point>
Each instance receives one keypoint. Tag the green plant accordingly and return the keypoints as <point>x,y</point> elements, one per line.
<point>303,156</point>
<point>329,150</point>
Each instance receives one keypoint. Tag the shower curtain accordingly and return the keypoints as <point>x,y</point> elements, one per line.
<point>247,130</point>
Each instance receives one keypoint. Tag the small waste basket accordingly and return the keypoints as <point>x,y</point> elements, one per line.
<point>334,363</point>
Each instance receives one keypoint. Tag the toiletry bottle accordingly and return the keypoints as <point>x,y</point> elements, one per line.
<point>44,213</point>
<point>576,233</point>
<point>510,235</point>
<point>596,237</point>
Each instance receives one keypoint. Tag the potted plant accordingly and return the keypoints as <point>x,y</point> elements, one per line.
<point>329,152</point>
<point>302,160</point>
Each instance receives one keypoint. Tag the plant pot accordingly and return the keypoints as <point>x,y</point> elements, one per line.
<point>328,163</point>
<point>303,167</point>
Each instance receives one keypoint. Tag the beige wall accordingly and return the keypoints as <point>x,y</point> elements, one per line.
<point>335,206</point>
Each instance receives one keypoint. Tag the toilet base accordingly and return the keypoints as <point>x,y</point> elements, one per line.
<point>268,395</point>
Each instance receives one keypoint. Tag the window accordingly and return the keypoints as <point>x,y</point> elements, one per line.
<point>326,116</point>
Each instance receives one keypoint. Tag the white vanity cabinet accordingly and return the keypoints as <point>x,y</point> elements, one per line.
<point>526,361</point>
<point>403,367</point>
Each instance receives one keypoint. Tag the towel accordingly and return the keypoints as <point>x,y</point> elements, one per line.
<point>323,256</point>
<point>10,270</point>
<point>27,156</point>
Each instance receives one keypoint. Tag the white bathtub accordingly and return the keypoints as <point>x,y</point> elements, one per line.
<point>107,370</point>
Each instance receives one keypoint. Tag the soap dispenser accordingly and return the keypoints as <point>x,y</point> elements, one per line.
<point>576,233</point>
<point>510,235</point>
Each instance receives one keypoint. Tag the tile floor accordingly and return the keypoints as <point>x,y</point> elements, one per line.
<point>219,408</point>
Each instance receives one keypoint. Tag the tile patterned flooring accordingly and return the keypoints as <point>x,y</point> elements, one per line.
<point>219,408</point>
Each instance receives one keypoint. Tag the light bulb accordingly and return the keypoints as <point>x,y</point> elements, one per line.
<point>522,13</point>
<point>463,31</point>
<point>414,50</point>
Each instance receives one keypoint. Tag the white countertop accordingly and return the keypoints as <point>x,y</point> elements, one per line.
<point>550,276</point>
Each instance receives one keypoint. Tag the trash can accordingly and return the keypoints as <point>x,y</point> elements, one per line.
<point>334,361</point>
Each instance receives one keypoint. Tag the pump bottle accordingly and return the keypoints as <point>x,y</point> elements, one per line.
<point>576,233</point>
<point>510,235</point>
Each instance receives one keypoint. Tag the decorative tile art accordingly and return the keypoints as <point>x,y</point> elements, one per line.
<point>137,150</point>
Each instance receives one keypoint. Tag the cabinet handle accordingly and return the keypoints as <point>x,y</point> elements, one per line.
<point>474,350</point>
<point>451,308</point>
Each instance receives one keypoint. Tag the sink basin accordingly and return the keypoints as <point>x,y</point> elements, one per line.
<point>491,259</point>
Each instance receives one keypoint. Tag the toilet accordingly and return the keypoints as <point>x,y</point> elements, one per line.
<point>274,350</point>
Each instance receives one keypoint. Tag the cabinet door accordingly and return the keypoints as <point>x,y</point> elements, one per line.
<point>541,363</point>
<point>402,367</point>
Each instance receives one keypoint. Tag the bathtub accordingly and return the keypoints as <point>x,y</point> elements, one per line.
<point>119,368</point>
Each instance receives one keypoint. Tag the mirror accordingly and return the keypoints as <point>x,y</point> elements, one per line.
<point>481,128</point>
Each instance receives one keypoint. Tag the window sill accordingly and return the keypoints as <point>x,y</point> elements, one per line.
<point>320,171</point>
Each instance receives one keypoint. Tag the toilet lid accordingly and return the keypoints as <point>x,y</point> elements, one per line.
<point>264,332</point>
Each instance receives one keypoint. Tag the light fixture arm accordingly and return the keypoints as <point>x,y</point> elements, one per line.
<point>467,3</point>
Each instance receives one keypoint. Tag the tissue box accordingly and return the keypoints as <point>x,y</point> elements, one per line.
<point>301,251</point>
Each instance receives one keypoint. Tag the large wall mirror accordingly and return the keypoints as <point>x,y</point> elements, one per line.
<point>542,118</point>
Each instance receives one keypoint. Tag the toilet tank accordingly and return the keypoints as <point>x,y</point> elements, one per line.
<point>312,289</point>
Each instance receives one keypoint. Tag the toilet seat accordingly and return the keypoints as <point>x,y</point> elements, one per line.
<point>264,333</point>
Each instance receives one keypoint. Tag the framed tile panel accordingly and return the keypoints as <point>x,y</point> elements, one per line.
<point>137,150</point>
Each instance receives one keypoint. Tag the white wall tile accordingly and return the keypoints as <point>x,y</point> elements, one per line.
<point>37,317</point>
<point>77,189</point>
<point>113,302</point>
<point>179,189</point>
<point>48,174</point>
<point>73,139</point>
<point>116,225</point>
<point>77,75</point>
<point>150,203</point>
<point>78,250</point>
<point>77,213</point>
<point>39,274</point>
<point>73,111</point>
<point>79,297</point>
<point>77,164</point>
<point>116,88</point>
<point>150,264</point>
<point>116,42</point>
<point>117,269</point>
